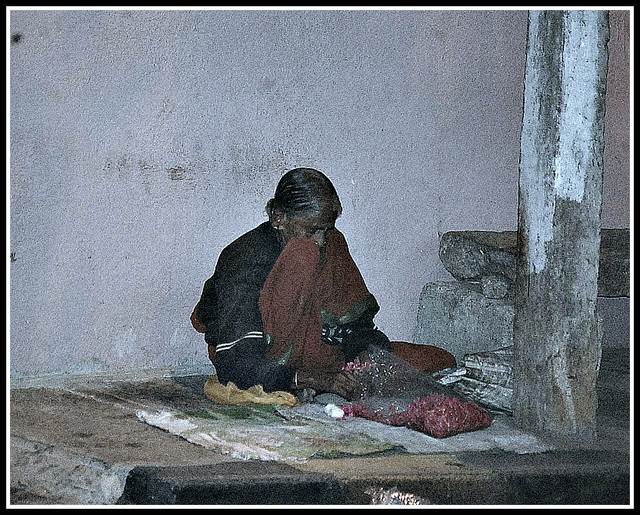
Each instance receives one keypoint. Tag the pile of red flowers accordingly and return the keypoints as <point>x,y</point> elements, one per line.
<point>437,415</point>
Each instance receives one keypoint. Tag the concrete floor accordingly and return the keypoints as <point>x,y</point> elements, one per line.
<point>83,444</point>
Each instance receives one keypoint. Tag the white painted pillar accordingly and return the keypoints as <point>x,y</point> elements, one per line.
<point>556,332</point>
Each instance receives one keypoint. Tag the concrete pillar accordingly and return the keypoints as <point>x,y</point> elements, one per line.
<point>557,342</point>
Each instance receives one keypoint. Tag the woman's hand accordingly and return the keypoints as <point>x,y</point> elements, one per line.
<point>342,383</point>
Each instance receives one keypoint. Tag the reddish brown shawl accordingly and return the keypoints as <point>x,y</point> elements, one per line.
<point>298,288</point>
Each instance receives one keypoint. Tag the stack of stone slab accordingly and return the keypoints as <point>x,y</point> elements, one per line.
<point>475,312</point>
<point>472,316</point>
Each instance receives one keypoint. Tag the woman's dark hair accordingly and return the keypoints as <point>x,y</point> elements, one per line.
<point>302,191</point>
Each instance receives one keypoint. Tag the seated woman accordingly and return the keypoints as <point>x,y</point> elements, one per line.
<point>287,307</point>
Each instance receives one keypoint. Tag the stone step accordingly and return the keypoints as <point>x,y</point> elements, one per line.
<point>560,478</point>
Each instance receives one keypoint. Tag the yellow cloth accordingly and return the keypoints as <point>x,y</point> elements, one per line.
<point>231,394</point>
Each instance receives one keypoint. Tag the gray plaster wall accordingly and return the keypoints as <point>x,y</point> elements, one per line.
<point>142,142</point>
